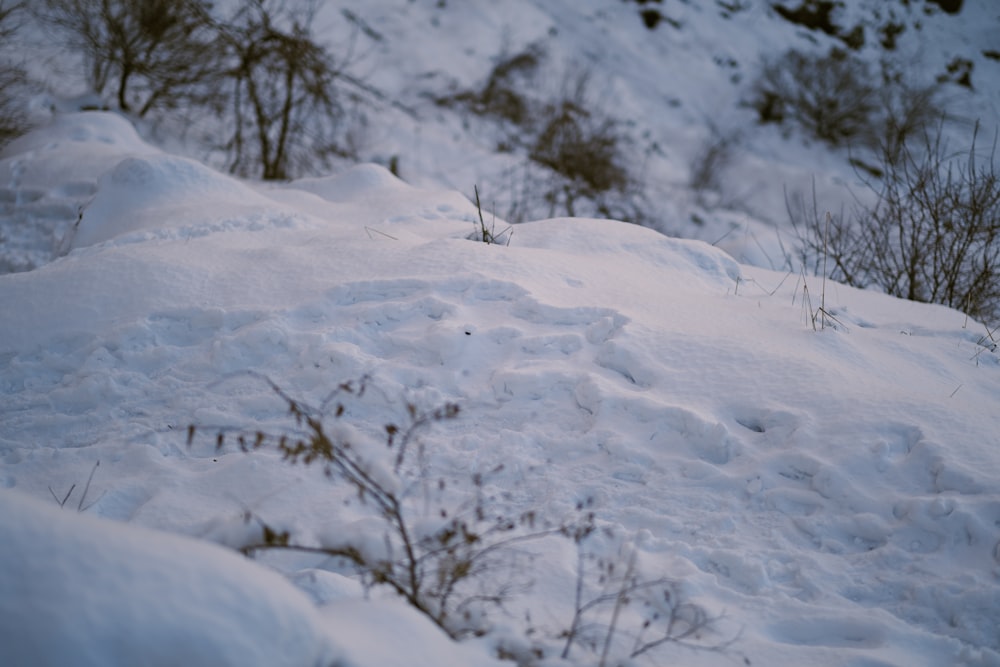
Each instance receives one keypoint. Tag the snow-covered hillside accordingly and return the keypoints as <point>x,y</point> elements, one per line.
<point>671,94</point>
<point>823,486</point>
<point>831,495</point>
<point>675,90</point>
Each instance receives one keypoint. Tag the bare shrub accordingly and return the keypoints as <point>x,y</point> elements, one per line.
<point>710,162</point>
<point>503,94</point>
<point>932,236</point>
<point>151,53</point>
<point>441,557</point>
<point>284,104</point>
<point>576,160</point>
<point>830,96</point>
<point>456,555</point>
<point>840,99</point>
<point>584,148</point>
<point>627,616</point>
<point>9,11</point>
<point>908,111</point>
<point>581,147</point>
<point>15,87</point>
<point>14,82</point>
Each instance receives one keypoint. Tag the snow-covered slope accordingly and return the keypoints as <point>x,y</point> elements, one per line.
<point>674,90</point>
<point>76,590</point>
<point>671,93</point>
<point>832,494</point>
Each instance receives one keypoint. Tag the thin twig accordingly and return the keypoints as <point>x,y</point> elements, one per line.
<point>620,601</point>
<point>86,488</point>
<point>62,503</point>
<point>826,238</point>
<point>372,229</point>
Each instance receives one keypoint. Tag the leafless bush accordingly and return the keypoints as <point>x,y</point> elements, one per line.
<point>260,70</point>
<point>151,53</point>
<point>576,160</point>
<point>584,149</point>
<point>14,89</point>
<point>14,83</point>
<point>443,558</point>
<point>908,111</point>
<point>932,236</point>
<point>284,104</point>
<point>710,162</point>
<point>629,616</point>
<point>505,94</point>
<point>831,96</point>
<point>9,11</point>
<point>456,555</point>
<point>840,99</point>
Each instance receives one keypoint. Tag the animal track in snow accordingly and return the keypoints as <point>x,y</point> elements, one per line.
<point>838,632</point>
<point>618,358</point>
<point>376,290</point>
<point>775,426</point>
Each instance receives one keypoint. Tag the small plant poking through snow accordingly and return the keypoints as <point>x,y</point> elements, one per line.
<point>629,615</point>
<point>932,236</point>
<point>438,561</point>
<point>82,505</point>
<point>455,561</point>
<point>486,234</point>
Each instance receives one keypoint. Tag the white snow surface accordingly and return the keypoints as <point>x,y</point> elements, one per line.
<point>833,494</point>
<point>76,590</point>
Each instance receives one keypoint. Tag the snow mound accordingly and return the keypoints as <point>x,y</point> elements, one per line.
<point>691,262</point>
<point>359,181</point>
<point>75,590</point>
<point>161,192</point>
<point>91,128</point>
<point>373,633</point>
<point>834,491</point>
<point>370,195</point>
<point>48,175</point>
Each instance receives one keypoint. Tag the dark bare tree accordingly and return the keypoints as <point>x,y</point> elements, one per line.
<point>283,96</point>
<point>9,9</point>
<point>151,53</point>
<point>13,118</point>
<point>13,79</point>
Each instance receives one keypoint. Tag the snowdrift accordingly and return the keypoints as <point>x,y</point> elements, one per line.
<point>76,590</point>
<point>834,492</point>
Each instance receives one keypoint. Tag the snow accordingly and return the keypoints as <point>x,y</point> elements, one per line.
<point>832,495</point>
<point>375,633</point>
<point>122,595</point>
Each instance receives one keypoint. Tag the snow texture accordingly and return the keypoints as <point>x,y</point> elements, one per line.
<point>833,495</point>
<point>834,492</point>
<point>76,590</point>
